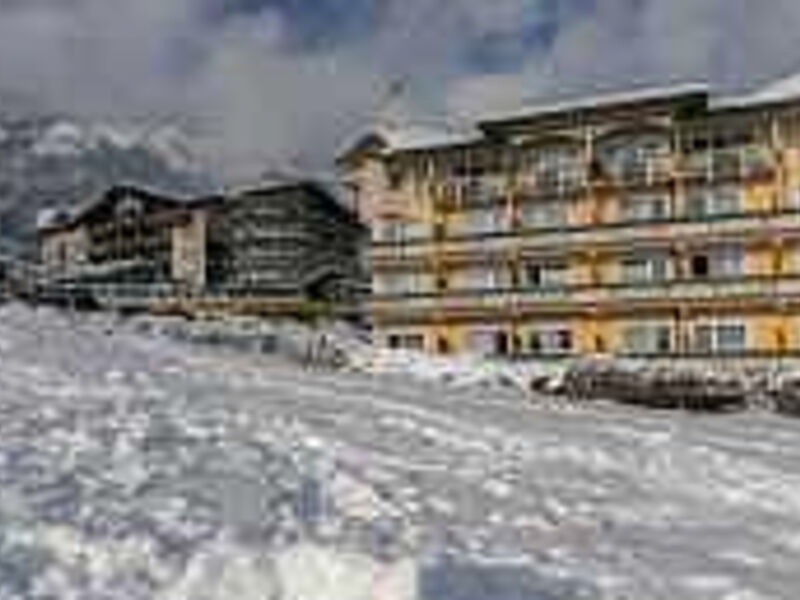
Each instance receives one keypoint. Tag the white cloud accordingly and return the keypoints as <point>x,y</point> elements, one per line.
<point>264,102</point>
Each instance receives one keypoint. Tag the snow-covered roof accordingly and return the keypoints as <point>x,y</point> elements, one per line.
<point>786,89</point>
<point>412,136</point>
<point>52,217</point>
<point>639,95</point>
<point>417,136</point>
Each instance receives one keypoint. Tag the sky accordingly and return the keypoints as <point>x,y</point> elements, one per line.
<point>276,82</point>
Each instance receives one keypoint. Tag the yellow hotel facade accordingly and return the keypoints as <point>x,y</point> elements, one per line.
<point>655,223</point>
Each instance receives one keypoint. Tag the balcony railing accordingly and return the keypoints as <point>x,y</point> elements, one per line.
<point>611,234</point>
<point>577,296</point>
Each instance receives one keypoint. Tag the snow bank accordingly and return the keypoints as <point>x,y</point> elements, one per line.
<point>340,346</point>
<point>679,384</point>
<point>463,371</point>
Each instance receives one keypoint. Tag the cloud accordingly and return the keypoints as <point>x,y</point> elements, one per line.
<point>273,81</point>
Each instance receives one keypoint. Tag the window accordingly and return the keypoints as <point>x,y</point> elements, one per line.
<point>551,340</point>
<point>482,278</point>
<point>718,262</point>
<point>699,266</point>
<point>502,344</point>
<point>395,175</point>
<point>645,208</point>
<point>541,215</point>
<point>398,231</point>
<point>475,222</point>
<point>793,198</point>
<point>634,157</point>
<point>714,202</point>
<point>652,267</point>
<point>402,283</point>
<point>720,337</point>
<point>558,167</point>
<point>546,275</point>
<point>488,342</point>
<point>484,189</point>
<point>647,339</point>
<point>727,262</point>
<point>406,341</point>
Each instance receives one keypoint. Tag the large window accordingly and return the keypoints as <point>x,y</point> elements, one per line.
<point>726,261</point>
<point>645,207</point>
<point>544,214</point>
<point>551,340</point>
<point>637,157</point>
<point>720,337</point>
<point>546,275</point>
<point>484,189</point>
<point>647,338</point>
<point>647,267</point>
<point>402,282</point>
<point>714,202</point>
<point>558,168</point>
<point>490,342</point>
<point>481,278</point>
<point>477,222</point>
<point>406,341</point>
<point>398,231</point>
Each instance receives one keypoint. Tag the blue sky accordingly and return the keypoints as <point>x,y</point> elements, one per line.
<point>287,80</point>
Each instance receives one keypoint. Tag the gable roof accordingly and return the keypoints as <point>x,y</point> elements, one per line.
<point>66,218</point>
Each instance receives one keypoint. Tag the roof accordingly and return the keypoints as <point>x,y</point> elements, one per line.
<point>387,139</point>
<point>64,218</point>
<point>327,189</point>
<point>418,136</point>
<point>586,103</point>
<point>786,89</point>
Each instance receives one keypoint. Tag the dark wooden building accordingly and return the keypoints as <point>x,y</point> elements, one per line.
<point>272,248</point>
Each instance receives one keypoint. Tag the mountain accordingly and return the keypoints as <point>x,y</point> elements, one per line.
<point>53,161</point>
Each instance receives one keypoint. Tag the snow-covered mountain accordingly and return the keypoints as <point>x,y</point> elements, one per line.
<point>50,161</point>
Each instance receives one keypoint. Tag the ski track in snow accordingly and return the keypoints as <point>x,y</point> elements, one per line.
<point>135,467</point>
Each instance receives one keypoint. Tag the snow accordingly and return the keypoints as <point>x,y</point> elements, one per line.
<point>133,465</point>
<point>63,138</point>
<point>48,217</point>
<point>172,145</point>
<point>120,136</point>
<point>415,136</point>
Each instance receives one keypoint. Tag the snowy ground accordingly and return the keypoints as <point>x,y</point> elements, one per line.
<point>136,467</point>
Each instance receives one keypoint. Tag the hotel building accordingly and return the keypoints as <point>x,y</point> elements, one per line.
<point>283,247</point>
<point>653,223</point>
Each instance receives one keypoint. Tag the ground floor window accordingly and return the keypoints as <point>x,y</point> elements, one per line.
<point>720,337</point>
<point>490,342</point>
<point>554,340</point>
<point>647,338</point>
<point>406,341</point>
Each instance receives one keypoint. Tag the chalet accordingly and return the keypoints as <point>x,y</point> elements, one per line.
<point>272,248</point>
